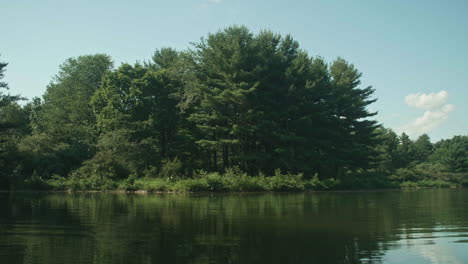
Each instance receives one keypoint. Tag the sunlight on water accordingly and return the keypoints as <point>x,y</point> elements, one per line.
<point>437,245</point>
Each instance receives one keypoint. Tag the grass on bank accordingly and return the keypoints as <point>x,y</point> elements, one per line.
<point>230,181</point>
<point>234,180</point>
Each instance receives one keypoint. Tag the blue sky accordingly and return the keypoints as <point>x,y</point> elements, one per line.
<point>414,53</point>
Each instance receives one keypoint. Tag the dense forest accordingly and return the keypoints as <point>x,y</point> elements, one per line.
<point>236,111</point>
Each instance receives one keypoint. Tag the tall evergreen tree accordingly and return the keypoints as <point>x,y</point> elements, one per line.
<point>406,151</point>
<point>423,148</point>
<point>225,72</point>
<point>5,99</point>
<point>13,126</point>
<point>265,105</point>
<point>355,137</point>
<point>388,150</point>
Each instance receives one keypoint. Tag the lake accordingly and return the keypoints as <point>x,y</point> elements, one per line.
<point>414,226</point>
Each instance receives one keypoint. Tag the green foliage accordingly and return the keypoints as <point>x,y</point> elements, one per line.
<point>63,124</point>
<point>192,185</point>
<point>117,155</point>
<point>239,181</point>
<point>409,184</point>
<point>78,182</point>
<point>65,114</point>
<point>387,149</point>
<point>13,126</point>
<point>423,148</point>
<point>407,174</point>
<point>245,183</point>
<point>151,172</point>
<point>43,154</point>
<point>356,138</point>
<point>138,118</point>
<point>212,182</point>
<point>216,183</point>
<point>58,183</point>
<point>170,169</point>
<point>426,184</point>
<point>265,104</point>
<point>234,180</point>
<point>452,153</point>
<point>130,184</point>
<point>406,152</point>
<point>286,182</point>
<point>428,175</point>
<point>155,184</point>
<point>164,58</point>
<point>5,99</point>
<point>208,118</point>
<point>435,184</point>
<point>36,182</point>
<point>2,74</point>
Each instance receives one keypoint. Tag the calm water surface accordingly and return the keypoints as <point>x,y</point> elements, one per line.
<point>422,226</point>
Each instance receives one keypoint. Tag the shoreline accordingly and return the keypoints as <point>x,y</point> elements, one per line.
<point>149,192</point>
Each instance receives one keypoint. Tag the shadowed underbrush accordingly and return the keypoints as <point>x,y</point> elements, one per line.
<point>235,180</point>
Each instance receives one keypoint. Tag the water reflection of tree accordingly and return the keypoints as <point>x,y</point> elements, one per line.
<point>267,228</point>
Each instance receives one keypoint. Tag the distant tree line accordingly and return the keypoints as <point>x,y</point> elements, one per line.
<point>254,102</point>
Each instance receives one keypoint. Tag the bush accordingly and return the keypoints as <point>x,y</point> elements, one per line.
<point>245,183</point>
<point>331,184</point>
<point>286,182</point>
<point>427,184</point>
<point>405,175</point>
<point>77,181</point>
<point>36,182</point>
<point>236,180</point>
<point>212,182</point>
<point>58,183</point>
<point>314,184</point>
<point>192,185</point>
<point>464,181</point>
<point>155,185</point>
<point>434,184</point>
<point>217,183</point>
<point>130,183</point>
<point>170,169</point>
<point>409,184</point>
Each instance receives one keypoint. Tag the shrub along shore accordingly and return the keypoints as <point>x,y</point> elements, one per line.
<point>233,180</point>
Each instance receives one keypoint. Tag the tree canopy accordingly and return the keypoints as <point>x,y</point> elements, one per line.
<point>236,100</point>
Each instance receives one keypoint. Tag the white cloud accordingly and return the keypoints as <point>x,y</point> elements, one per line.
<point>436,112</point>
<point>428,121</point>
<point>427,101</point>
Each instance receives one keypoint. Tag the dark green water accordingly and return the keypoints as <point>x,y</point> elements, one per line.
<point>423,226</point>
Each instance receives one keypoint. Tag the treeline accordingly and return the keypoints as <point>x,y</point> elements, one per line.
<point>254,104</point>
